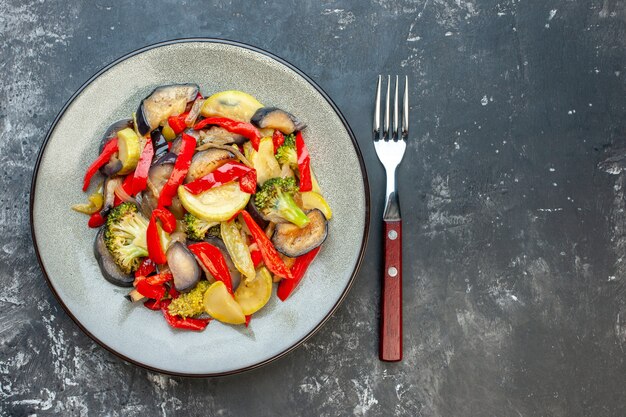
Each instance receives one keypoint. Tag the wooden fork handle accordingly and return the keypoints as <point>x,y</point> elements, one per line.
<point>391,309</point>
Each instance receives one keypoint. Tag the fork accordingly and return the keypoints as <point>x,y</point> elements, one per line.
<point>390,147</point>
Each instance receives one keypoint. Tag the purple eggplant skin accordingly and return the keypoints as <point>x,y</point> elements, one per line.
<point>292,241</point>
<point>275,118</point>
<point>256,214</point>
<point>235,275</point>
<point>110,271</point>
<point>184,267</point>
<point>114,165</point>
<point>157,106</point>
<point>158,175</point>
<point>159,143</point>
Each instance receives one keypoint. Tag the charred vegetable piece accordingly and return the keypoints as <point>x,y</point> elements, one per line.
<point>205,162</point>
<point>109,268</point>
<point>190,304</point>
<point>162,103</point>
<point>219,135</point>
<point>221,305</point>
<point>274,118</point>
<point>125,237</point>
<point>233,104</point>
<point>294,241</point>
<point>275,201</point>
<point>184,267</point>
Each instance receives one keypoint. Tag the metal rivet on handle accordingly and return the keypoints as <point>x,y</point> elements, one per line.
<point>393,235</point>
<point>392,271</point>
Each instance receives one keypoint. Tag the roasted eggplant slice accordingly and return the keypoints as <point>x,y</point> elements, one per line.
<point>293,241</point>
<point>163,102</point>
<point>184,266</point>
<point>114,165</point>
<point>274,118</point>
<point>205,162</point>
<point>109,268</point>
<point>159,143</point>
<point>256,214</point>
<point>221,136</point>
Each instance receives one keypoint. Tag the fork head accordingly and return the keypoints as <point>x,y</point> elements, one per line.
<point>390,141</point>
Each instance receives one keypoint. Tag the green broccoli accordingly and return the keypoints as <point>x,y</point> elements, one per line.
<point>125,236</point>
<point>275,201</point>
<point>286,153</point>
<point>190,304</point>
<point>197,229</point>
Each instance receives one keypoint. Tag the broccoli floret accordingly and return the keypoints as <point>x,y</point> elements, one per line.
<point>125,236</point>
<point>197,229</point>
<point>286,153</point>
<point>275,201</point>
<point>190,304</point>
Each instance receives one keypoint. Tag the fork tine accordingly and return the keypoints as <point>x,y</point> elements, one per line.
<point>386,129</point>
<point>396,131</point>
<point>377,110</point>
<point>405,109</point>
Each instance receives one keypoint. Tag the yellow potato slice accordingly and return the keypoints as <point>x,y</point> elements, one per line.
<point>221,305</point>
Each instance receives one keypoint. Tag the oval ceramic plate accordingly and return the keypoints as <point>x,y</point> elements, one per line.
<point>64,243</point>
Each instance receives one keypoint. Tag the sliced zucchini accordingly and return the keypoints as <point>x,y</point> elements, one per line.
<point>233,104</point>
<point>221,305</point>
<point>129,150</point>
<point>215,205</point>
<point>253,295</point>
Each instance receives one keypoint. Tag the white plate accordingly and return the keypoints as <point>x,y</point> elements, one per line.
<point>64,243</point>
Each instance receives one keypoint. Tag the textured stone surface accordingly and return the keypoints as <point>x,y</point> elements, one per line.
<point>512,193</point>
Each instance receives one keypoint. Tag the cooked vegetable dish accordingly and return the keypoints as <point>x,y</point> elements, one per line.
<point>203,204</point>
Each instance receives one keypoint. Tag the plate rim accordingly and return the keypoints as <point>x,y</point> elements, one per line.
<point>318,89</point>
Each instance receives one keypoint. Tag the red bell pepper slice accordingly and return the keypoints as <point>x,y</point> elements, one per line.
<point>181,166</point>
<point>160,279</point>
<point>304,164</point>
<point>271,258</point>
<point>177,123</point>
<point>96,220</point>
<point>278,139</point>
<point>286,287</point>
<point>168,221</point>
<point>153,304</point>
<point>213,260</point>
<point>256,256</point>
<point>247,130</point>
<point>155,248</point>
<point>140,177</point>
<point>156,292</point>
<point>226,173</point>
<point>248,318</point>
<point>109,149</point>
<point>178,322</point>
<point>146,267</point>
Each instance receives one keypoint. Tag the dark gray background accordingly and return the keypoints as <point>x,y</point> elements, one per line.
<point>512,191</point>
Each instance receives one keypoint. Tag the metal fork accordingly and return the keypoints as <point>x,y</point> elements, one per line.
<point>390,146</point>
